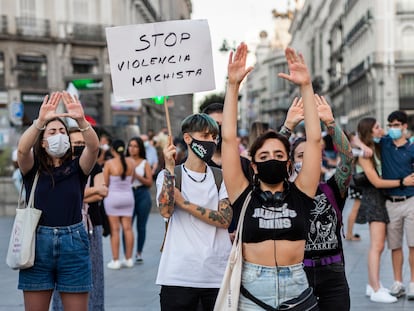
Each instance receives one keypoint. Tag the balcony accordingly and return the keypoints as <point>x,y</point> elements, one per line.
<point>405,7</point>
<point>404,56</point>
<point>146,9</point>
<point>3,24</point>
<point>87,32</point>
<point>32,27</point>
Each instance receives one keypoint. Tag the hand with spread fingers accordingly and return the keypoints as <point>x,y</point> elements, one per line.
<point>324,110</point>
<point>298,71</point>
<point>295,114</point>
<point>48,108</point>
<point>237,70</point>
<point>73,107</point>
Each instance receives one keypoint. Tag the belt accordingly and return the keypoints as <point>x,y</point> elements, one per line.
<point>322,261</point>
<point>398,198</point>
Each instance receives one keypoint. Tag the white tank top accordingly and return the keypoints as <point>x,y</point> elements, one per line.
<point>139,170</point>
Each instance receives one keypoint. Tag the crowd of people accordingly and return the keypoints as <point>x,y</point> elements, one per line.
<point>294,187</point>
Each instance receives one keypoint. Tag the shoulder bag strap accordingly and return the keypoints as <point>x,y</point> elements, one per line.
<point>239,230</point>
<point>31,198</point>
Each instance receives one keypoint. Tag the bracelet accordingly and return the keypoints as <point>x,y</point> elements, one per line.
<point>86,128</point>
<point>168,174</point>
<point>39,128</point>
<point>284,130</point>
<point>332,123</point>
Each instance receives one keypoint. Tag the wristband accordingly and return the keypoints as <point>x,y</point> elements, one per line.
<point>86,128</point>
<point>39,128</point>
<point>284,130</point>
<point>168,174</point>
<point>402,183</point>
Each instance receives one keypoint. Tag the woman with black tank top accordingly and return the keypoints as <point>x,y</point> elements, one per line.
<point>62,260</point>
<point>275,223</point>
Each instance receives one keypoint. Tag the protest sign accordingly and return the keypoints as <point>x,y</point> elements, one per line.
<point>159,59</point>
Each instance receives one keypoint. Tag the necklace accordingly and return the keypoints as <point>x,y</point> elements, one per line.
<point>192,178</point>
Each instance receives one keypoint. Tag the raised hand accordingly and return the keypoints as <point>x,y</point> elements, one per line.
<point>295,113</point>
<point>73,107</point>
<point>170,152</point>
<point>47,110</point>
<point>324,110</point>
<point>298,71</point>
<point>236,68</point>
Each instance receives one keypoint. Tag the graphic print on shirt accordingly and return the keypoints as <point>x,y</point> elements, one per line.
<point>274,217</point>
<point>323,222</point>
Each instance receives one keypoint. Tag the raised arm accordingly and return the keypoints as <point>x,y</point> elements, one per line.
<point>232,171</point>
<point>344,170</point>
<point>166,196</point>
<point>308,177</point>
<point>293,117</point>
<point>75,111</point>
<point>47,111</point>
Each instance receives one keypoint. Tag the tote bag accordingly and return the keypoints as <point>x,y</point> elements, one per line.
<point>228,296</point>
<point>21,251</point>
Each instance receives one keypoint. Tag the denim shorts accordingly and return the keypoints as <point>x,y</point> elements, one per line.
<point>272,285</point>
<point>62,261</point>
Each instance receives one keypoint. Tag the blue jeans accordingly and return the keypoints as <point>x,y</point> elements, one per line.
<point>61,261</point>
<point>142,210</point>
<point>330,286</point>
<point>272,285</point>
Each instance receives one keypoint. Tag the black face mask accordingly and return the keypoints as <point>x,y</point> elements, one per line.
<point>219,140</point>
<point>272,171</point>
<point>203,149</point>
<point>77,150</point>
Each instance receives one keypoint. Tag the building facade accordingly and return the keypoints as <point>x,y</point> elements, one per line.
<point>47,45</point>
<point>360,54</point>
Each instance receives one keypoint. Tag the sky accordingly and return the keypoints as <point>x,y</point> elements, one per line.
<point>236,21</point>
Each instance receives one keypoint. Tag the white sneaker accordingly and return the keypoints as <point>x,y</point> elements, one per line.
<point>128,263</point>
<point>410,294</point>
<point>369,290</point>
<point>114,264</point>
<point>382,296</point>
<point>397,289</point>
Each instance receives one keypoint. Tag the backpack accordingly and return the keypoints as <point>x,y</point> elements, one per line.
<point>218,178</point>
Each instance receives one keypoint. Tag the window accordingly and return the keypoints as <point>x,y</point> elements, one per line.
<point>31,71</point>
<point>84,65</point>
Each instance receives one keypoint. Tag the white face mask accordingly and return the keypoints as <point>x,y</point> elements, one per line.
<point>104,147</point>
<point>58,145</point>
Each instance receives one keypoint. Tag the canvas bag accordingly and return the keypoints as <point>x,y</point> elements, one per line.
<point>228,296</point>
<point>21,251</point>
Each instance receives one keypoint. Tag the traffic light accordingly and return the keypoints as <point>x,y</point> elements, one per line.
<point>159,100</point>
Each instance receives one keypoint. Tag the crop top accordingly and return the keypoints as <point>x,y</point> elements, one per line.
<point>265,221</point>
<point>60,199</point>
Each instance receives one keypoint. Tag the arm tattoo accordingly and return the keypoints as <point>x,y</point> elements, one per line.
<point>344,170</point>
<point>166,199</point>
<point>224,213</point>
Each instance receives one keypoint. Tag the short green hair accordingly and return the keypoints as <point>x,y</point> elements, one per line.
<point>199,122</point>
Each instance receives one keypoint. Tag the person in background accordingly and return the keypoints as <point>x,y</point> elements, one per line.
<point>372,209</point>
<point>119,204</point>
<point>324,258</point>
<point>44,149</point>
<point>197,243</point>
<point>104,145</point>
<point>17,175</point>
<point>141,182</point>
<point>397,157</point>
<point>95,192</point>
<point>273,253</point>
<point>151,154</point>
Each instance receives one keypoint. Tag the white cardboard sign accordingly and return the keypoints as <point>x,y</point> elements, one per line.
<point>160,59</point>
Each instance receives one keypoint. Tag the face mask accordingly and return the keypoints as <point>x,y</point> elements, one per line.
<point>77,150</point>
<point>298,166</point>
<point>376,139</point>
<point>203,149</point>
<point>146,144</point>
<point>58,145</point>
<point>394,133</point>
<point>272,171</point>
<point>104,147</point>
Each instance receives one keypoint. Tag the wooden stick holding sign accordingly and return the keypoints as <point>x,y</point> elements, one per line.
<point>167,117</point>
